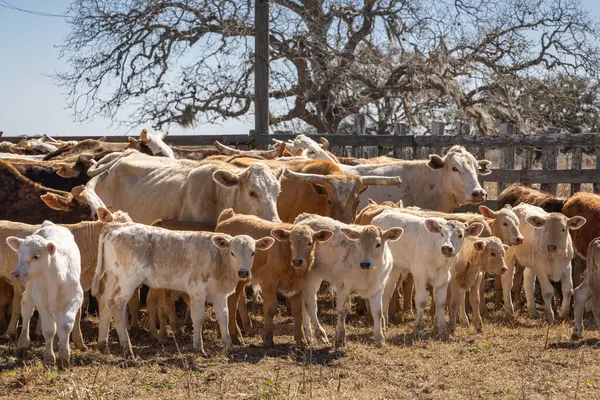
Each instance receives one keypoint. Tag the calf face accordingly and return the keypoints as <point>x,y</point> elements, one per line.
<point>240,251</point>
<point>34,254</point>
<point>508,224</point>
<point>556,229</point>
<point>453,234</point>
<point>257,190</point>
<point>372,240</point>
<point>460,171</point>
<point>302,243</point>
<point>491,255</point>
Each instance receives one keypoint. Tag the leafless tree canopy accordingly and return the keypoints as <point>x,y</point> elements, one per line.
<point>191,61</point>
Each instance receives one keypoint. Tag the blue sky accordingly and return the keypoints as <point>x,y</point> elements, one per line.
<point>31,103</point>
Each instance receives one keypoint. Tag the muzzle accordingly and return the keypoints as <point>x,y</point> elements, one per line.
<point>244,274</point>
<point>448,251</point>
<point>298,263</point>
<point>365,265</point>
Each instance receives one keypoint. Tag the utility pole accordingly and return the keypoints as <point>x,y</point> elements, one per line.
<point>261,67</point>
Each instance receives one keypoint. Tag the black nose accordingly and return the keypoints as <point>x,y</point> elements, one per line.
<point>479,193</point>
<point>298,262</point>
<point>552,247</point>
<point>365,265</point>
<point>520,240</point>
<point>447,250</point>
<point>243,274</point>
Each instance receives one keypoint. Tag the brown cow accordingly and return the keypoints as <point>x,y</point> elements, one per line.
<point>516,194</point>
<point>589,289</point>
<point>281,269</point>
<point>6,294</point>
<point>22,200</point>
<point>56,175</point>
<point>586,205</point>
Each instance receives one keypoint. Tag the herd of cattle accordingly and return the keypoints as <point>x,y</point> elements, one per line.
<point>202,225</point>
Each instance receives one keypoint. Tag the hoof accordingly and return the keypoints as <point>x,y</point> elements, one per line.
<point>103,348</point>
<point>20,352</point>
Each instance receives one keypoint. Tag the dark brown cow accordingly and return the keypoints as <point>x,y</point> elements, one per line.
<point>22,200</point>
<point>516,194</point>
<point>97,148</point>
<point>55,174</point>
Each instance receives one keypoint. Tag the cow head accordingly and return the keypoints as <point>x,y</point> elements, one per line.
<point>302,241</point>
<point>556,228</point>
<point>238,251</point>
<point>35,253</point>
<point>76,205</point>
<point>490,255</point>
<point>340,193</point>
<point>506,224</point>
<point>152,143</point>
<point>453,233</point>
<point>70,170</point>
<point>304,146</point>
<point>460,169</point>
<point>372,241</point>
<point>254,190</point>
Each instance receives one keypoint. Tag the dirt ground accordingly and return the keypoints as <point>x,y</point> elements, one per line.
<point>523,360</point>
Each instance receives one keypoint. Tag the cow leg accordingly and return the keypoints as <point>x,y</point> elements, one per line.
<point>498,291</point>
<point>197,310</point>
<point>296,308</point>
<point>529,283</point>
<point>388,292</point>
<point>343,309</point>
<point>220,306</point>
<point>86,303</point>
<point>567,292</point>
<point>232,302</point>
<point>548,295</point>
<point>152,311</point>
<point>421,297</point>
<point>457,296</point>
<point>104,323</point>
<point>462,308</point>
<point>66,323</point>
<point>596,309</point>
<point>407,293</point>
<point>77,335</point>
<point>15,313</point>
<point>309,310</point>
<point>582,294</point>
<point>481,289</point>
<point>49,331</point>
<point>120,316</point>
<point>171,311</point>
<point>394,309</point>
<point>27,309</point>
<point>517,283</point>
<point>361,306</point>
<point>376,303</point>
<point>269,297</point>
<point>3,309</point>
<point>162,307</point>
<point>475,297</point>
<point>439,294</point>
<point>507,284</point>
<point>134,307</point>
<point>242,307</point>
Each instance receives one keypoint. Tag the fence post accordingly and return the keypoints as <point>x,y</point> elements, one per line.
<point>437,129</point>
<point>527,159</point>
<point>401,129</point>
<point>575,166</point>
<point>507,157</point>
<point>360,128</point>
<point>549,162</point>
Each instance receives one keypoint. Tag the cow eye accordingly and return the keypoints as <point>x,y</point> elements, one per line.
<point>563,229</point>
<point>460,236</point>
<point>232,254</point>
<point>330,202</point>
<point>505,224</point>
<point>36,256</point>
<point>378,245</point>
<point>253,253</point>
<point>309,244</point>
<point>253,194</point>
<point>454,169</point>
<point>493,254</point>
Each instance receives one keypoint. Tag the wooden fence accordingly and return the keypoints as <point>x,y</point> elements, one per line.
<point>511,146</point>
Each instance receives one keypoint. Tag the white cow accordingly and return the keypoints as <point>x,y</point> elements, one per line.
<point>589,289</point>
<point>546,253</point>
<point>440,184</point>
<point>151,188</point>
<point>50,264</point>
<point>305,147</point>
<point>428,249</point>
<point>356,258</point>
<point>205,265</point>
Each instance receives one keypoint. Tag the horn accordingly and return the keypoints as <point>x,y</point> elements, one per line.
<point>226,149</point>
<point>380,180</point>
<point>102,139</point>
<point>77,190</point>
<point>277,151</point>
<point>144,135</point>
<point>91,185</point>
<point>308,178</point>
<point>324,143</point>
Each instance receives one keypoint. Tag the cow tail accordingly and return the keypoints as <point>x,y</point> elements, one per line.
<point>99,265</point>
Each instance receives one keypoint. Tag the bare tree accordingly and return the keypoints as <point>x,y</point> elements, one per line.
<point>191,61</point>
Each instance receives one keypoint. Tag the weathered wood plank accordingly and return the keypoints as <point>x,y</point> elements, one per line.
<point>543,176</point>
<point>474,208</point>
<point>507,157</point>
<point>437,129</point>
<point>175,140</point>
<point>549,162</point>
<point>576,165</point>
<point>597,184</point>
<point>261,66</point>
<point>360,128</point>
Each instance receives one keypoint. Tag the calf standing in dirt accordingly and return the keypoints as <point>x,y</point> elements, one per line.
<point>50,264</point>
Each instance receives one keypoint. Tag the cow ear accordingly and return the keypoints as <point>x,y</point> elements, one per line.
<point>57,202</point>
<point>484,167</point>
<point>474,229</point>
<point>132,140</point>
<point>536,221</point>
<point>51,248</point>
<point>280,234</point>
<point>400,204</point>
<point>104,215</point>
<point>144,136</point>
<point>319,189</point>
<point>505,247</point>
<point>265,243</point>
<point>164,135</point>
<point>362,189</point>
<point>575,222</point>
<point>487,212</point>
<point>322,236</point>
<point>14,242</point>
<point>222,242</point>
<point>479,245</point>
<point>279,173</point>
<point>392,234</point>
<point>371,202</point>
<point>435,161</point>
<point>433,226</point>
<point>226,178</point>
<point>67,171</point>
<point>351,233</point>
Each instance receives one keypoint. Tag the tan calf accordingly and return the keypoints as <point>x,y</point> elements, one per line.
<point>589,289</point>
<point>280,269</point>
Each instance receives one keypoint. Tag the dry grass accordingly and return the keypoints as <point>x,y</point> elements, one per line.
<point>526,360</point>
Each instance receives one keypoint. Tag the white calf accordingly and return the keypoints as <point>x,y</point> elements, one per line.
<point>546,253</point>
<point>428,249</point>
<point>205,265</point>
<point>356,258</point>
<point>589,289</point>
<point>50,264</point>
